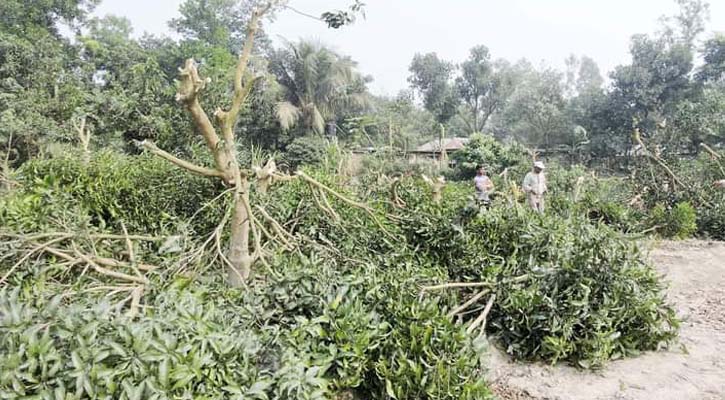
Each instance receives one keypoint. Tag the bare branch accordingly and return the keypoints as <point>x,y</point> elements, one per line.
<point>108,272</point>
<point>285,236</point>
<point>109,262</point>
<point>38,248</point>
<point>131,255</point>
<point>323,188</point>
<point>467,304</point>
<point>456,285</point>
<point>481,320</point>
<point>189,88</point>
<point>193,168</point>
<point>135,301</point>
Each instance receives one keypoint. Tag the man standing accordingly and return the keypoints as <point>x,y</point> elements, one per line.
<point>535,186</point>
<point>484,186</point>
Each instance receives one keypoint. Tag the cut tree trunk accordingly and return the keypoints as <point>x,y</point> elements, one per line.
<point>240,260</point>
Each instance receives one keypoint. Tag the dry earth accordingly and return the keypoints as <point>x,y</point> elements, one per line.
<point>692,369</point>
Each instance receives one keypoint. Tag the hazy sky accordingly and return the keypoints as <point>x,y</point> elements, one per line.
<point>544,31</point>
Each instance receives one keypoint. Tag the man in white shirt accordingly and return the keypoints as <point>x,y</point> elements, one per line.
<point>535,186</point>
<point>483,185</point>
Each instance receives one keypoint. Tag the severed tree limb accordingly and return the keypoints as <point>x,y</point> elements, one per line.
<point>131,255</point>
<point>109,262</point>
<point>79,235</point>
<point>394,197</point>
<point>256,237</point>
<point>84,136</point>
<point>675,180</point>
<point>108,272</point>
<point>436,185</point>
<point>135,301</point>
<point>124,237</point>
<point>281,233</point>
<point>325,188</point>
<point>193,168</point>
<point>95,266</point>
<point>481,320</point>
<point>38,248</point>
<point>467,304</point>
<point>715,157</point>
<point>316,195</point>
<point>456,285</point>
<point>712,152</point>
<point>344,199</point>
<point>327,205</point>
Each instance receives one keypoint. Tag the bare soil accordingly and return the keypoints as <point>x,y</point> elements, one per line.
<point>693,369</point>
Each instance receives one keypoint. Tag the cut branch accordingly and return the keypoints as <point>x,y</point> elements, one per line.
<point>135,302</point>
<point>675,180</point>
<point>467,304</point>
<point>322,187</point>
<point>285,236</point>
<point>38,248</point>
<point>481,320</point>
<point>108,272</point>
<point>456,285</point>
<point>193,168</point>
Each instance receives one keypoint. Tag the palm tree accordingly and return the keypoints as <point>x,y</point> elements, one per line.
<point>320,85</point>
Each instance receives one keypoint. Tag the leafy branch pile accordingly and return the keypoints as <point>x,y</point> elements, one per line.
<point>336,313</point>
<point>338,310</point>
<point>564,288</point>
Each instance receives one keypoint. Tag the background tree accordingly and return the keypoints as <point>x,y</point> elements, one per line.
<point>431,78</point>
<point>484,86</point>
<point>536,113</point>
<point>320,86</point>
<point>217,23</point>
<point>38,90</point>
<point>713,55</point>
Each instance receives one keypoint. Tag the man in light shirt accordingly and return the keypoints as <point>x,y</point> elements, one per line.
<point>535,186</point>
<point>484,186</point>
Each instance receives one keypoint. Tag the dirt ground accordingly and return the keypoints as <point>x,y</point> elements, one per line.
<point>692,369</point>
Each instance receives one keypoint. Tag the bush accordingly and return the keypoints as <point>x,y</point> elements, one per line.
<point>662,197</point>
<point>311,330</point>
<point>679,222</point>
<point>146,193</point>
<point>711,221</point>
<point>307,150</point>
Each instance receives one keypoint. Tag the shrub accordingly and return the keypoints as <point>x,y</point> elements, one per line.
<point>391,162</point>
<point>307,150</point>
<point>679,222</point>
<point>144,192</point>
<point>711,221</point>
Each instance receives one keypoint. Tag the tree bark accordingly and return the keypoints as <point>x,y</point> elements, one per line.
<point>241,261</point>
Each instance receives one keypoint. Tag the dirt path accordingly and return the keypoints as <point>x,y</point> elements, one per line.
<point>693,369</point>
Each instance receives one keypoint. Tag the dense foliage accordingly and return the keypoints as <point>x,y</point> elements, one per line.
<point>341,314</point>
<point>111,260</point>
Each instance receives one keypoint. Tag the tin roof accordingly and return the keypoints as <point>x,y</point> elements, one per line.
<point>449,144</point>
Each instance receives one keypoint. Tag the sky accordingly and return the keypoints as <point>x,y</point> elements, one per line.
<point>384,43</point>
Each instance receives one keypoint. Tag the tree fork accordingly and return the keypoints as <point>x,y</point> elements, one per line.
<point>224,150</point>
